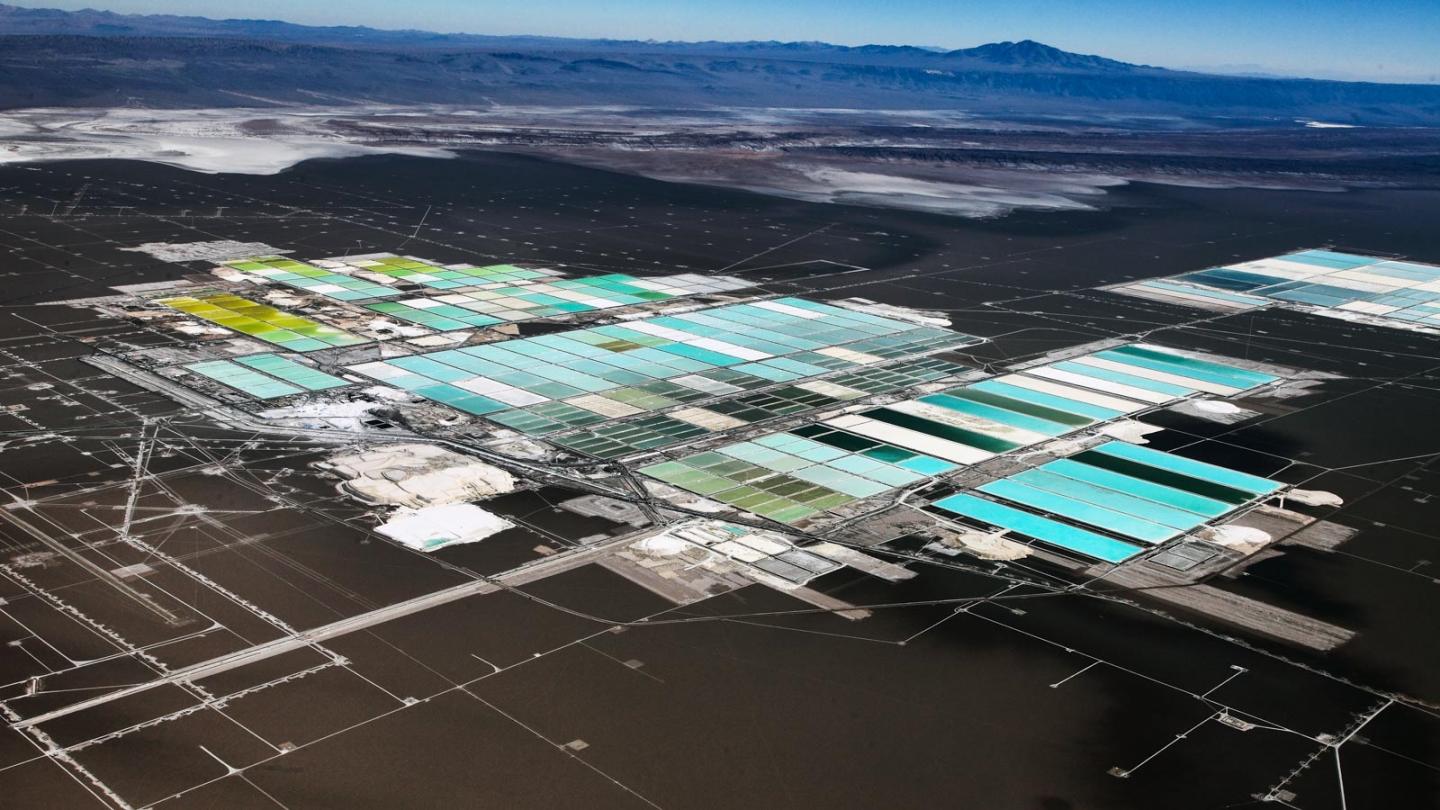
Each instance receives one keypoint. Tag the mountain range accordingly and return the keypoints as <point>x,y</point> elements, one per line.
<point>101,59</point>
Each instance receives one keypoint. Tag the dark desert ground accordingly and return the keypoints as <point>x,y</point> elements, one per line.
<point>1024,700</point>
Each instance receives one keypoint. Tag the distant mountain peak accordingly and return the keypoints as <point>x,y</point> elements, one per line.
<point>1027,53</point>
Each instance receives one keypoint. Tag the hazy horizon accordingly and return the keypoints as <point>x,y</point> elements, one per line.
<point>1386,40</point>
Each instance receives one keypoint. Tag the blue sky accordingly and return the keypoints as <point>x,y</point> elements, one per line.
<point>1387,40</point>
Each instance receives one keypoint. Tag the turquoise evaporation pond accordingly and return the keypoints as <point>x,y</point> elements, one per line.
<point>1319,295</point>
<point>1040,528</point>
<point>1184,466</point>
<point>1219,295</point>
<point>1170,496</point>
<point>242,379</point>
<point>1187,366</point>
<point>1098,516</point>
<point>997,414</point>
<point>1255,286</point>
<point>1121,378</point>
<point>1047,400</point>
<point>1330,259</point>
<point>1405,271</point>
<point>1102,488</point>
<point>284,368</point>
<point>959,435</point>
<point>745,341</point>
<point>1230,278</point>
<point>1114,500</point>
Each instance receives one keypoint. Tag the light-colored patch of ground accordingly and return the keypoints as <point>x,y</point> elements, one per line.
<point>985,545</point>
<point>924,317</point>
<point>974,198</point>
<point>1314,497</point>
<point>1244,539</point>
<point>210,141</point>
<point>1217,406</point>
<point>432,528</point>
<point>386,327</point>
<point>417,475</point>
<point>217,250</point>
<point>324,414</point>
<point>1214,410</point>
<point>1129,430</point>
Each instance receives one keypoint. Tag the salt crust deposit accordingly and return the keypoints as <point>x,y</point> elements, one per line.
<point>270,139</point>
<point>200,329</point>
<point>233,276</point>
<point>1245,539</point>
<point>1217,406</point>
<point>1374,320</point>
<point>434,527</point>
<point>1058,448</point>
<point>324,414</point>
<point>1214,410</point>
<point>986,546</point>
<point>1129,430</point>
<point>211,141</point>
<point>212,251</point>
<point>417,475</point>
<point>383,326</point>
<point>966,199</point>
<point>663,545</point>
<point>720,547</point>
<point>1314,497</point>
<point>924,317</point>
